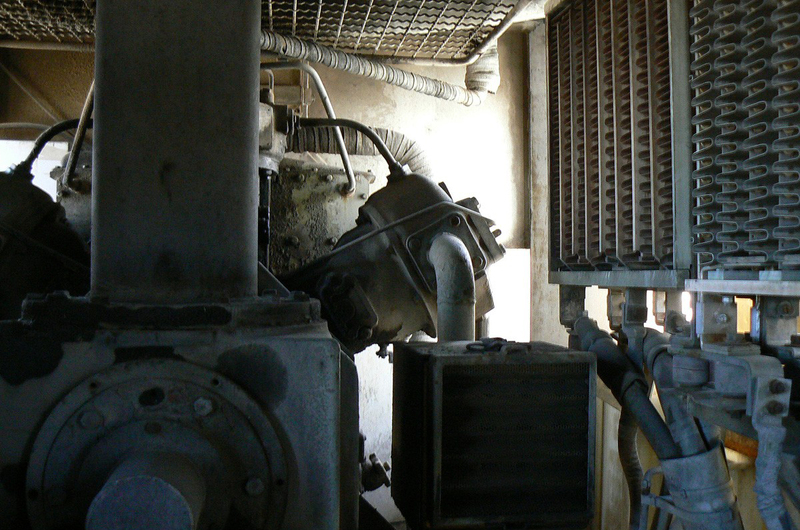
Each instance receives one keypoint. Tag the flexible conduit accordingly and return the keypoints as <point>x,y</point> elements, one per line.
<point>482,75</point>
<point>323,140</point>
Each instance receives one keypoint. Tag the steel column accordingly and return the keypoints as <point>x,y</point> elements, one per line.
<point>176,143</point>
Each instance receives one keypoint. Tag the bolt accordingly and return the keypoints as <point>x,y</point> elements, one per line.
<point>776,386</point>
<point>91,419</point>
<point>203,406</point>
<point>292,241</point>
<point>785,308</point>
<point>775,408</point>
<point>362,196</point>
<point>721,318</point>
<point>478,262</point>
<point>331,241</point>
<point>254,487</point>
<point>328,178</point>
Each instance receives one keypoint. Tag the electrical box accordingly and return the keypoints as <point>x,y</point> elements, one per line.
<point>493,433</point>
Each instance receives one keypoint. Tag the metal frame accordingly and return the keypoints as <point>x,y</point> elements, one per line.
<point>644,279</point>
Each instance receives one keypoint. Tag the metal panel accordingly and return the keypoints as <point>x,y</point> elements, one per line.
<point>615,188</point>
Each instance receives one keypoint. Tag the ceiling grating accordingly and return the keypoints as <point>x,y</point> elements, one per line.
<point>415,29</point>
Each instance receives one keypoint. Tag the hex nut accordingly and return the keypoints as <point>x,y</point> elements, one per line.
<point>776,386</point>
<point>203,406</point>
<point>775,408</point>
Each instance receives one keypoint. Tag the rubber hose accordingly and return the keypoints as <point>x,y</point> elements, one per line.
<point>631,466</point>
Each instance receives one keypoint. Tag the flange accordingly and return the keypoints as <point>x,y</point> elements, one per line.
<point>166,407</point>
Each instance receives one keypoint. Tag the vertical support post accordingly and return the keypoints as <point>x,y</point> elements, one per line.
<point>175,188</point>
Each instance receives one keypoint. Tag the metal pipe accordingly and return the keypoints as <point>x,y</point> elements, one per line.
<point>175,180</point>
<point>80,134</point>
<point>309,51</point>
<point>395,169</point>
<point>326,102</point>
<point>455,289</point>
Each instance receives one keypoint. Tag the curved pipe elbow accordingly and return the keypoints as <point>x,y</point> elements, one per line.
<point>455,288</point>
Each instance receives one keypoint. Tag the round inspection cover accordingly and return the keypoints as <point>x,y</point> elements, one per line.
<point>162,406</point>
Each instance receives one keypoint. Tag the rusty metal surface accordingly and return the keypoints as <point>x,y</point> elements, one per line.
<point>417,29</point>
<point>309,215</point>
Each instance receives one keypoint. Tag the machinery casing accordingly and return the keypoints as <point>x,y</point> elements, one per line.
<point>276,352</point>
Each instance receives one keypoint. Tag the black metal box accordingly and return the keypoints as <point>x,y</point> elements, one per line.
<point>502,437</point>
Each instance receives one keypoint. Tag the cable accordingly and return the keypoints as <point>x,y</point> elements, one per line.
<point>23,169</point>
<point>326,102</point>
<point>395,169</point>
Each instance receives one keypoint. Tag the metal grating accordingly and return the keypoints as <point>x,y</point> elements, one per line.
<point>415,29</point>
<point>488,413</point>
<point>611,174</point>
<point>746,81</point>
<point>458,416</point>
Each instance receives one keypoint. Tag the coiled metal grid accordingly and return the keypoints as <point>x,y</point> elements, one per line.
<point>411,29</point>
<point>747,82</point>
<point>610,136</point>
<point>787,124</point>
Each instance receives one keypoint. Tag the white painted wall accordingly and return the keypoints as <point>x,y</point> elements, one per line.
<point>12,152</point>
